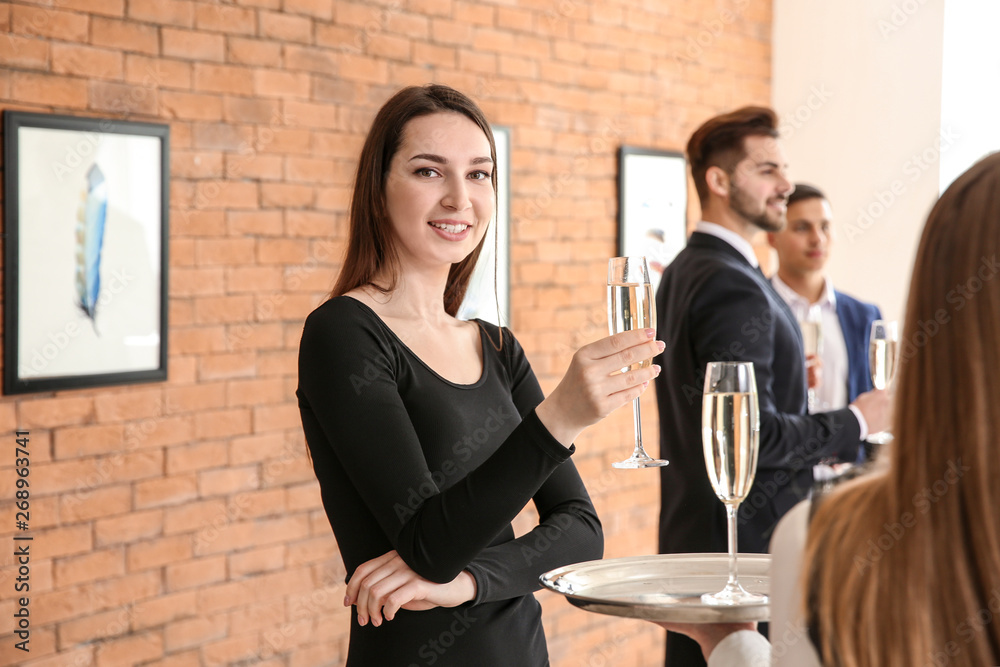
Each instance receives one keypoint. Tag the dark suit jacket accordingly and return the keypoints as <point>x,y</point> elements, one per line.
<point>856,319</point>
<point>712,305</point>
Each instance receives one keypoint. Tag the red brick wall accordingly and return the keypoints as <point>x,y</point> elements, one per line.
<point>179,523</point>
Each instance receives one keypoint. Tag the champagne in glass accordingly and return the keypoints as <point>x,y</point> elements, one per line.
<point>730,429</point>
<point>812,342</point>
<point>812,335</point>
<point>883,355</point>
<point>631,306</point>
<point>729,435</point>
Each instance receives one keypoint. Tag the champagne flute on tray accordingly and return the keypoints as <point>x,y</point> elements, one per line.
<point>730,429</point>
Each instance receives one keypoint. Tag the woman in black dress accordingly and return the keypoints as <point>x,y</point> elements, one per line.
<point>429,434</point>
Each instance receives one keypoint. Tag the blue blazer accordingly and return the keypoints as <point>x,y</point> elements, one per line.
<point>856,319</point>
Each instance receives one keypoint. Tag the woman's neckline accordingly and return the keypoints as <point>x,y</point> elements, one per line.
<point>395,336</point>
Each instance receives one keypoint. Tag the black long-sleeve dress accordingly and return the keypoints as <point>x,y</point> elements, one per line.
<point>407,460</point>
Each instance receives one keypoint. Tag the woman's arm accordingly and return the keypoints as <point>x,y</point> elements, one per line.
<point>384,585</point>
<point>568,529</point>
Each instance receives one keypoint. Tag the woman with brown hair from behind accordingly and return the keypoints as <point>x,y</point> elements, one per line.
<point>902,567</point>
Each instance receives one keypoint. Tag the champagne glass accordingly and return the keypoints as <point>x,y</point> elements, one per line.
<point>630,306</point>
<point>812,341</point>
<point>883,355</point>
<point>730,433</point>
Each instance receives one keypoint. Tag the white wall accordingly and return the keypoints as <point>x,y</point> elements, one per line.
<point>969,94</point>
<point>857,84</point>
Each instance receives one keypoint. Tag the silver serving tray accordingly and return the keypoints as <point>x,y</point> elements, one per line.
<point>666,587</point>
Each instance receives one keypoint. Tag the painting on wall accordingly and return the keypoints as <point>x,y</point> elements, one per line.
<point>652,206</point>
<point>85,264</point>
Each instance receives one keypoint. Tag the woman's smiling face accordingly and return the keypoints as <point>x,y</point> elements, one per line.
<point>439,193</point>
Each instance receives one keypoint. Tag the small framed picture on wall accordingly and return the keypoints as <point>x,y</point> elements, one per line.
<point>85,263</point>
<point>652,206</point>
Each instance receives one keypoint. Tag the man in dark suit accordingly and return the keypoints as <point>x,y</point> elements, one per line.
<point>714,304</point>
<point>803,248</point>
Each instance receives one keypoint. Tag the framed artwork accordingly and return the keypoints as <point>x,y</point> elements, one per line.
<point>85,261</point>
<point>652,206</point>
<point>488,297</point>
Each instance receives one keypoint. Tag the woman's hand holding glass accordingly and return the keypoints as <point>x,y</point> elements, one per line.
<point>384,585</point>
<point>631,305</point>
<point>594,386</point>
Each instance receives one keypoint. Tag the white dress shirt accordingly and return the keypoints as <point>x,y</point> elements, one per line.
<point>832,391</point>
<point>729,236</point>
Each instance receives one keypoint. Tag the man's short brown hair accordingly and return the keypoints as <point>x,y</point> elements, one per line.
<point>719,141</point>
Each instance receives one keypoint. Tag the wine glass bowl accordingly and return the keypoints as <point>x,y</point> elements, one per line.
<point>812,342</point>
<point>631,306</point>
<point>883,357</point>
<point>730,428</point>
<point>883,352</point>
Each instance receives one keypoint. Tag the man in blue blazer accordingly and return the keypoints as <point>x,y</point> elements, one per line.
<point>714,304</point>
<point>803,248</point>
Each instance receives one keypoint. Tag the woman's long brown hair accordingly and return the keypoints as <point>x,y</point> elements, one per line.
<point>371,246</point>
<point>903,567</point>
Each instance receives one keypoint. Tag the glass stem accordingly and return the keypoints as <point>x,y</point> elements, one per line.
<point>639,452</point>
<point>731,521</point>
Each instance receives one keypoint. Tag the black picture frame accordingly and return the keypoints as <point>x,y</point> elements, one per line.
<point>652,206</point>
<point>86,210</point>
